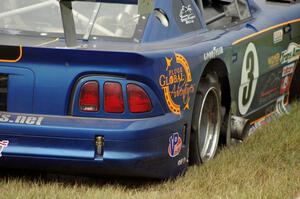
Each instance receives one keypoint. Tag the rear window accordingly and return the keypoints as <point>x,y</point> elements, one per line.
<point>44,17</point>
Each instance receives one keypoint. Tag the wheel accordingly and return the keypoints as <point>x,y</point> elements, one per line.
<point>206,122</point>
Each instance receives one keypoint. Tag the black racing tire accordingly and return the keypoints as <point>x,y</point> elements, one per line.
<point>225,134</point>
<point>207,120</point>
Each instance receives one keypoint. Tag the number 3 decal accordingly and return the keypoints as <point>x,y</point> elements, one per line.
<point>250,73</point>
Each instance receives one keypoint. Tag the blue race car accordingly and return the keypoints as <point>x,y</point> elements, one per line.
<point>140,87</point>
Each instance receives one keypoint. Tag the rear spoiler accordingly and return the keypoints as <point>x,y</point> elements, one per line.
<point>144,7</point>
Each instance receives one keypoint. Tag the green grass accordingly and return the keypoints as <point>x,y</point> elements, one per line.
<point>266,165</point>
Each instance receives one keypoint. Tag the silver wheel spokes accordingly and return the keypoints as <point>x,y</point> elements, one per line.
<point>209,125</point>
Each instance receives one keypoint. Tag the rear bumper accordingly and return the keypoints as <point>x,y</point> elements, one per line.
<point>136,147</point>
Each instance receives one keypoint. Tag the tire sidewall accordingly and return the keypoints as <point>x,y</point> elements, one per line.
<point>206,84</point>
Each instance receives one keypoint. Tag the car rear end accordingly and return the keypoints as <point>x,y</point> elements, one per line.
<point>85,109</point>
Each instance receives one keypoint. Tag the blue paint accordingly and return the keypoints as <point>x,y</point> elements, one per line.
<point>47,80</point>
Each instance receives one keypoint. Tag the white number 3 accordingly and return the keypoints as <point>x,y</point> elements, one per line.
<point>250,73</point>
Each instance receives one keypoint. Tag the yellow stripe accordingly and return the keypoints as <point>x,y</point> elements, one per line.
<point>265,30</point>
<point>14,60</point>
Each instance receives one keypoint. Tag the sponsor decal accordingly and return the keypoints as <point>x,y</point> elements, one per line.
<point>175,145</point>
<point>262,122</point>
<point>271,85</point>
<point>278,36</point>
<point>182,161</point>
<point>287,77</point>
<point>21,119</point>
<point>176,83</point>
<point>273,112</point>
<point>290,55</point>
<point>3,144</point>
<point>250,73</point>
<point>288,70</point>
<point>285,84</point>
<point>274,60</point>
<point>281,105</point>
<point>186,15</point>
<point>269,92</point>
<point>214,53</point>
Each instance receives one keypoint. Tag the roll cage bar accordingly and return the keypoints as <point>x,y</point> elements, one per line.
<point>221,15</point>
<point>68,18</point>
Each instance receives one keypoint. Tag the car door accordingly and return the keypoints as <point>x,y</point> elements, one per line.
<point>255,67</point>
<point>264,76</point>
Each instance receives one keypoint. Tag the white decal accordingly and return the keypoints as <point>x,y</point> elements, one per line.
<point>21,119</point>
<point>281,106</point>
<point>3,144</point>
<point>291,54</point>
<point>250,73</point>
<point>278,36</point>
<point>214,53</point>
<point>288,70</point>
<point>182,161</point>
<point>186,15</point>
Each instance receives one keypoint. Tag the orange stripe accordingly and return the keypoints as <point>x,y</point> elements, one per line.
<point>14,60</point>
<point>265,116</point>
<point>261,118</point>
<point>265,30</point>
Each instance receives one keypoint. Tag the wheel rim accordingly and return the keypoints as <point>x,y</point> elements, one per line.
<point>209,125</point>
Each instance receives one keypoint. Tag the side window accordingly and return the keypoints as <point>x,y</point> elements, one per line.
<point>186,16</point>
<point>223,13</point>
<point>243,9</point>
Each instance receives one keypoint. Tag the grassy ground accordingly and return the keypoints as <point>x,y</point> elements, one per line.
<point>266,165</point>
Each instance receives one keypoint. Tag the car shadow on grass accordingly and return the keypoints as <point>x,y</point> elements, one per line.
<point>39,177</point>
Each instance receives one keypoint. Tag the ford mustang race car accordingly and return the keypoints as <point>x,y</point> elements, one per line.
<point>140,87</point>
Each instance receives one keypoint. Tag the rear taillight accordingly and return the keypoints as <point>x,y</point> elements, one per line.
<point>113,98</point>
<point>138,99</point>
<point>89,97</point>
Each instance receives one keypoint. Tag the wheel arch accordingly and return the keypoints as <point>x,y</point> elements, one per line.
<point>218,65</point>
<point>219,68</point>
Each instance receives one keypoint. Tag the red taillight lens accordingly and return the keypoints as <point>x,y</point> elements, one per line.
<point>138,99</point>
<point>89,97</point>
<point>113,98</point>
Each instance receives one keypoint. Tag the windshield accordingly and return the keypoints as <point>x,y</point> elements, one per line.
<point>44,17</point>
